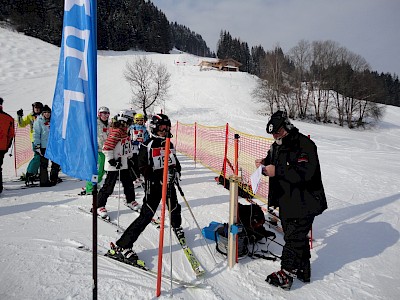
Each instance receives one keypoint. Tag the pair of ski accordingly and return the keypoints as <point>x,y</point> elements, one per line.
<point>192,259</point>
<point>141,267</point>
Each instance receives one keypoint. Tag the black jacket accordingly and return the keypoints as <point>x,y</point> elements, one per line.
<point>151,156</point>
<point>296,187</point>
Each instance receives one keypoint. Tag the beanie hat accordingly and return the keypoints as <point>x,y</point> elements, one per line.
<point>278,120</point>
<point>1,101</point>
<point>46,108</point>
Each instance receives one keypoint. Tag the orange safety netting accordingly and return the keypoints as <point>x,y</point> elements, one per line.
<point>22,146</point>
<point>214,148</point>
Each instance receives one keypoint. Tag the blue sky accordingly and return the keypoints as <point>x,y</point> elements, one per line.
<point>370,28</point>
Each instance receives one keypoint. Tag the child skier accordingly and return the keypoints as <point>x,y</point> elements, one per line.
<point>151,165</point>
<point>139,134</point>
<point>117,149</point>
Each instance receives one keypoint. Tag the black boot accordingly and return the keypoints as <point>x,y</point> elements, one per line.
<point>281,278</point>
<point>29,177</point>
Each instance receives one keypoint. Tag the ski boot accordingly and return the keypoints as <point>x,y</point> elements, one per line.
<point>134,206</point>
<point>29,178</point>
<point>281,278</point>
<point>102,213</point>
<point>127,256</point>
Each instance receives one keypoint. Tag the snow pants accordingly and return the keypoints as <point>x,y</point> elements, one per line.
<point>109,183</point>
<point>44,164</point>
<point>34,164</point>
<point>153,191</point>
<point>296,250</point>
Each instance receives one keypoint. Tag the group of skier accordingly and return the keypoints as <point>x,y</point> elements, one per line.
<point>295,187</point>
<point>128,149</point>
<point>39,122</point>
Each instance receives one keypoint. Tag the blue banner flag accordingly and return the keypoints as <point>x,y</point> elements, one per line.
<point>73,126</point>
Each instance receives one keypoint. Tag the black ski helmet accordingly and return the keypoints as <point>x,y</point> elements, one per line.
<point>157,120</point>
<point>37,104</point>
<point>279,119</point>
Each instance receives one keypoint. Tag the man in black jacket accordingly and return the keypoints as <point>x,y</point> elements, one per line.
<point>295,186</point>
<point>151,166</point>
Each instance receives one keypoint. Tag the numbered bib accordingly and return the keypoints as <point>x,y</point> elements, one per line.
<point>126,146</point>
<point>138,135</point>
<point>158,157</point>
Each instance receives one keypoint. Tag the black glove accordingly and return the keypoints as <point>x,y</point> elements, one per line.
<point>115,163</point>
<point>119,163</point>
<point>20,112</point>
<point>174,176</point>
<point>112,162</point>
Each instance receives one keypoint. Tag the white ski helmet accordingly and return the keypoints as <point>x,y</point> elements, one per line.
<point>103,109</point>
<point>126,115</point>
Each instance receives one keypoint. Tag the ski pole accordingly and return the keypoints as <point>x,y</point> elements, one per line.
<point>170,231</point>
<point>12,147</point>
<point>197,224</point>
<point>119,193</point>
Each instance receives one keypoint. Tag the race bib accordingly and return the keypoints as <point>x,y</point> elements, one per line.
<point>158,157</point>
<point>139,136</point>
<point>126,146</point>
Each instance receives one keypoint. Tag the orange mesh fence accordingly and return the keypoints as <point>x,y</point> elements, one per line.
<point>214,148</point>
<point>22,146</point>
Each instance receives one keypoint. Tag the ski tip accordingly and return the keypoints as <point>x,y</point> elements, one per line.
<point>200,274</point>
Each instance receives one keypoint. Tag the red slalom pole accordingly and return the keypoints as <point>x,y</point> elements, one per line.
<point>162,221</point>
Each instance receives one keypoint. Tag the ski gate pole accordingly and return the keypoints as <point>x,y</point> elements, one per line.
<point>163,201</point>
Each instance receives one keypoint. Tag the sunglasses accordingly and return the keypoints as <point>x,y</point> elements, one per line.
<point>164,128</point>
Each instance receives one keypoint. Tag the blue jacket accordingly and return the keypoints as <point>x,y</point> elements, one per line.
<point>41,129</point>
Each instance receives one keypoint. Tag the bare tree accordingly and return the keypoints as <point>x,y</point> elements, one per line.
<point>300,55</point>
<point>149,82</point>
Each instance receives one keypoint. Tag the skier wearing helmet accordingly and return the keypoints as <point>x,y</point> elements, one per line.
<point>151,165</point>
<point>139,134</point>
<point>33,167</point>
<point>117,150</point>
<point>103,126</point>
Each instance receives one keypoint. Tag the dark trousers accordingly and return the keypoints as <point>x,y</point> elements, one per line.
<point>151,201</point>
<point>297,247</point>
<point>133,166</point>
<point>44,175</point>
<point>109,183</point>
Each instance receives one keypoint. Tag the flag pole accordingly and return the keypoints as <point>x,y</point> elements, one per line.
<point>95,177</point>
<point>94,246</point>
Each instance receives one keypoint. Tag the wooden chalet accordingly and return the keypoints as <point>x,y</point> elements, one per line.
<point>227,64</point>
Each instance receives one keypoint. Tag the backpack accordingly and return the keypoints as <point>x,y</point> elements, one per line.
<point>252,219</point>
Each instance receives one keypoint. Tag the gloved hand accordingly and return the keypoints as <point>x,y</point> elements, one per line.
<point>37,149</point>
<point>115,163</point>
<point>174,176</point>
<point>20,113</point>
<point>112,162</point>
<point>119,163</point>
